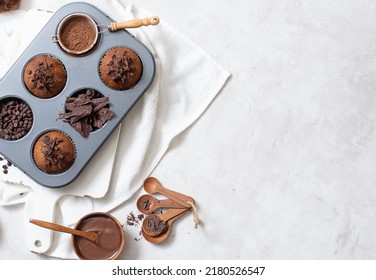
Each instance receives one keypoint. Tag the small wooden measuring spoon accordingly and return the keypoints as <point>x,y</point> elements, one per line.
<point>133,23</point>
<point>163,236</point>
<point>154,225</point>
<point>147,204</point>
<point>152,185</point>
<point>90,235</point>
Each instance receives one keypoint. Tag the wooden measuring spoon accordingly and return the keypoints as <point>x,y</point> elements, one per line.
<point>163,236</point>
<point>147,204</point>
<point>91,235</point>
<point>152,185</point>
<point>133,23</point>
<point>154,225</point>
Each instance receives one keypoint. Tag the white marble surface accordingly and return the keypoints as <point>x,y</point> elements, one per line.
<point>282,163</point>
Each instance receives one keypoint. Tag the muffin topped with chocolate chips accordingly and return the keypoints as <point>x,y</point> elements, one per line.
<point>54,152</point>
<point>121,68</point>
<point>45,76</point>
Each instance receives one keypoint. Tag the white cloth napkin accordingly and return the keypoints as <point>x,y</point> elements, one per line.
<point>186,81</point>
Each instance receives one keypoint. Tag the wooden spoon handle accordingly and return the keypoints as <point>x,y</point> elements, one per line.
<point>171,213</point>
<point>181,196</point>
<point>175,197</point>
<point>133,23</point>
<point>168,203</point>
<point>89,235</point>
<point>152,185</point>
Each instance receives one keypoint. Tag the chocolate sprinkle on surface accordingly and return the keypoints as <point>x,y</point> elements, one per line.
<point>6,167</point>
<point>135,221</point>
<point>87,112</point>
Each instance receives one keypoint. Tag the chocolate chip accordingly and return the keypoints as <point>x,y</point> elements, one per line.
<point>16,119</point>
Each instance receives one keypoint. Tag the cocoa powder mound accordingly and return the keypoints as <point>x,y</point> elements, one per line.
<point>78,35</point>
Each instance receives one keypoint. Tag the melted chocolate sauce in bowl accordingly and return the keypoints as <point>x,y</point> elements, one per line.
<point>110,242</point>
<point>77,34</point>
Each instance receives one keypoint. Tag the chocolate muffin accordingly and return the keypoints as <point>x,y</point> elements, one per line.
<point>121,68</point>
<point>45,76</point>
<point>7,5</point>
<point>54,152</point>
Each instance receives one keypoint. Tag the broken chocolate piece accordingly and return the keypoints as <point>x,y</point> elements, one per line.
<point>120,68</point>
<point>155,225</point>
<point>87,112</point>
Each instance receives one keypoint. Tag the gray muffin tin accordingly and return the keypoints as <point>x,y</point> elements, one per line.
<point>83,73</point>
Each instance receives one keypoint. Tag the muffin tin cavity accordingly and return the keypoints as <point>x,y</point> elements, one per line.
<point>47,82</point>
<point>16,118</point>
<point>77,34</point>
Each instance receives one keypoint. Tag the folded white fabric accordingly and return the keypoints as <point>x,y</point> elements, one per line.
<point>186,81</point>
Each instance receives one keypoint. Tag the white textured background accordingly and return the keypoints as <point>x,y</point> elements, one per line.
<point>283,160</point>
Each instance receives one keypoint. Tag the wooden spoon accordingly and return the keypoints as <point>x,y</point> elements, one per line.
<point>154,225</point>
<point>163,236</point>
<point>133,23</point>
<point>147,204</point>
<point>91,235</point>
<point>152,185</point>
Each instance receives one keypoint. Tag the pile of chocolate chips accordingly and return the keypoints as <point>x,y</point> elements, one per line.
<point>43,76</point>
<point>87,112</point>
<point>16,119</point>
<point>119,68</point>
<point>5,166</point>
<point>51,150</point>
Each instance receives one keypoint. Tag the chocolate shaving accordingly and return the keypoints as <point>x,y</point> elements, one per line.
<point>145,203</point>
<point>53,155</point>
<point>155,225</point>
<point>120,68</point>
<point>43,76</point>
<point>87,112</point>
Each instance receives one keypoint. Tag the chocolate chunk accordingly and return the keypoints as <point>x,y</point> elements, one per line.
<point>156,225</point>
<point>87,112</point>
<point>145,204</point>
<point>51,150</point>
<point>43,76</point>
<point>120,68</point>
